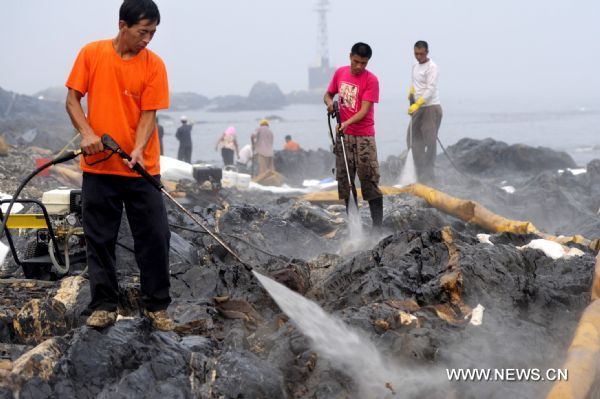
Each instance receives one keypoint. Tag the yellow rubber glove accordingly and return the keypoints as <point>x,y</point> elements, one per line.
<point>411,95</point>
<point>415,107</point>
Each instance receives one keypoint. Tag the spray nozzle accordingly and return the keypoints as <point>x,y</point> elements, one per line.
<point>336,113</point>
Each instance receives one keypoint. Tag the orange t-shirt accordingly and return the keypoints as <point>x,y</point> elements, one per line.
<point>291,146</point>
<point>118,91</point>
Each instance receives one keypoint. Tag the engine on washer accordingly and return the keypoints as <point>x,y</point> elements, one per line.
<point>65,232</point>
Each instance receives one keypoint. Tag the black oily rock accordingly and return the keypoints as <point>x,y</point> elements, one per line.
<point>489,156</point>
<point>196,343</point>
<point>297,166</point>
<point>7,332</point>
<point>192,316</point>
<point>411,218</point>
<point>396,268</point>
<point>243,374</point>
<point>556,202</point>
<point>563,204</point>
<point>312,217</point>
<point>35,388</point>
<point>532,302</point>
<point>124,361</point>
<point>593,169</point>
<point>28,120</point>
<point>275,235</point>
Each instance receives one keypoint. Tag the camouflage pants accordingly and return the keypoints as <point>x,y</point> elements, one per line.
<point>361,152</point>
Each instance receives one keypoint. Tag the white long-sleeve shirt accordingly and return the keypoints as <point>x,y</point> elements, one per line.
<point>425,82</point>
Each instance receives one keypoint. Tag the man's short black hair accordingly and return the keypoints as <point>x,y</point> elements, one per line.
<point>422,44</point>
<point>133,11</point>
<point>288,137</point>
<point>362,50</point>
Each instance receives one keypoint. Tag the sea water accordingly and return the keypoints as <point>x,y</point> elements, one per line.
<point>574,130</point>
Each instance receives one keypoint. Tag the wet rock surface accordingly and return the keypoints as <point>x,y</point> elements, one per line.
<point>295,166</point>
<point>491,156</point>
<point>518,182</point>
<point>27,120</point>
<point>411,291</point>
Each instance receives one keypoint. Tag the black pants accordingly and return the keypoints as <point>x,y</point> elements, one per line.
<point>103,197</point>
<point>185,152</point>
<point>227,155</point>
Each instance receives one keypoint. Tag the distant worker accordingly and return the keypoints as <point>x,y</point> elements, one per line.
<point>358,91</point>
<point>184,135</point>
<point>291,145</point>
<point>161,133</point>
<point>229,146</point>
<point>426,113</point>
<point>244,161</point>
<point>262,139</point>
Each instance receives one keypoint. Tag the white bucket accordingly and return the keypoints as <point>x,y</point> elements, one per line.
<point>243,181</point>
<point>229,178</point>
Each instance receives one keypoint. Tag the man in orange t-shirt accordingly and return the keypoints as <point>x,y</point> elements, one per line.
<point>290,145</point>
<point>125,83</point>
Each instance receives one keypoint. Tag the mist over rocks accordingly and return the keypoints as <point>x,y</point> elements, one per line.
<point>296,166</point>
<point>27,120</point>
<point>409,290</point>
<point>545,191</point>
<point>491,157</point>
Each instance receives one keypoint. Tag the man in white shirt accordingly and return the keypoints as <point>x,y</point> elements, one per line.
<point>425,111</point>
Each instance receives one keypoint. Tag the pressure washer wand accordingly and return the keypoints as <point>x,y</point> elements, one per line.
<point>112,145</point>
<point>336,112</point>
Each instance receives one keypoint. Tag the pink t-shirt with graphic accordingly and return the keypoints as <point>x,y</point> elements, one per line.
<point>352,91</point>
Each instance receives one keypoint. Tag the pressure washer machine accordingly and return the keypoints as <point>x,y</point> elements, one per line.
<point>58,242</point>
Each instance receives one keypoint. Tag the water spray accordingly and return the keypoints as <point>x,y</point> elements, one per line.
<point>408,175</point>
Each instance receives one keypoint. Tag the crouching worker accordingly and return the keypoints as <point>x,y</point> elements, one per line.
<point>125,83</point>
<point>357,90</point>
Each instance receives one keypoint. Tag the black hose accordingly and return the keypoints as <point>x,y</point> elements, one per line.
<point>248,243</point>
<point>60,159</point>
<point>450,159</point>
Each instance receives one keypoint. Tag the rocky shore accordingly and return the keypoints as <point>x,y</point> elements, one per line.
<point>411,290</point>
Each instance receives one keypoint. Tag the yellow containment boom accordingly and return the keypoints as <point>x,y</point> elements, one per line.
<point>582,358</point>
<point>466,210</point>
<point>582,362</point>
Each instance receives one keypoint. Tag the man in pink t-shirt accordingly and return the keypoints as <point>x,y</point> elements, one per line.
<point>357,90</point>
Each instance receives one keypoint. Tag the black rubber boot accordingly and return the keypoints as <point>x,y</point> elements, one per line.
<point>376,208</point>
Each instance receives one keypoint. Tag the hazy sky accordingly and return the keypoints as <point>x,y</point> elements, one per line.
<point>526,49</point>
